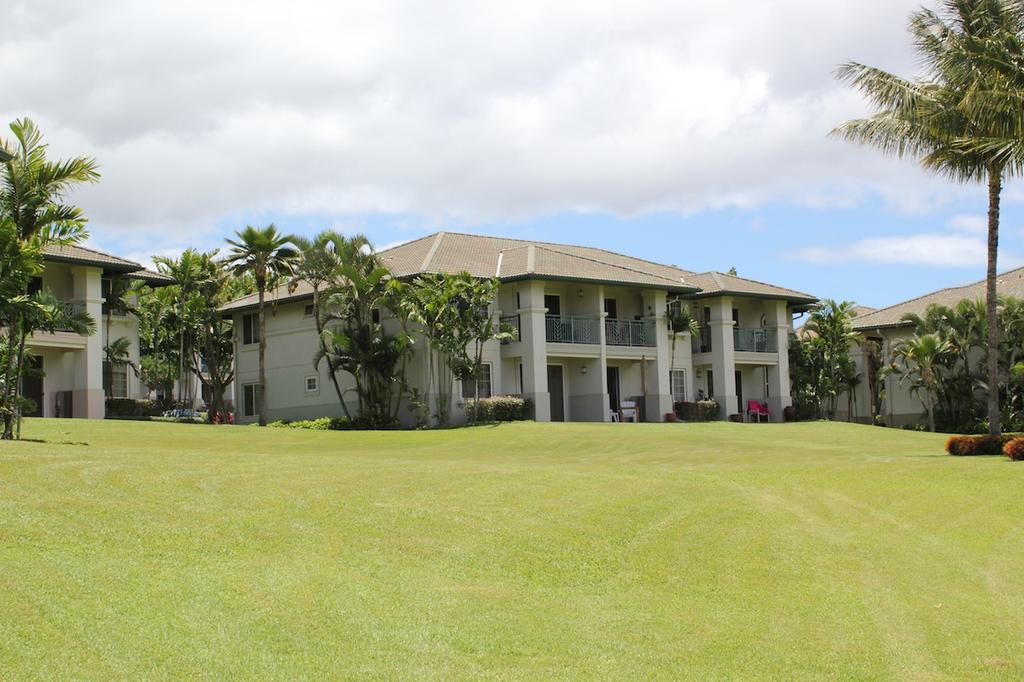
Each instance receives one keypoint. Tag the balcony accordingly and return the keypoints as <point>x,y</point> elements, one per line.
<point>572,329</point>
<point>756,339</point>
<point>641,333</point>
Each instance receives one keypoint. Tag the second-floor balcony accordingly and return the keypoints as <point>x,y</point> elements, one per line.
<point>744,339</point>
<point>755,339</point>
<point>587,330</point>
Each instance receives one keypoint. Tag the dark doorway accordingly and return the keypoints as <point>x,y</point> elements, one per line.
<point>611,308</point>
<point>711,384</point>
<point>32,384</point>
<point>739,391</point>
<point>614,396</point>
<point>557,393</point>
<point>553,302</point>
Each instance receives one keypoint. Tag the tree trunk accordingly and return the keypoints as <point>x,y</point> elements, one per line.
<point>995,178</point>
<point>263,354</point>
<point>931,411</point>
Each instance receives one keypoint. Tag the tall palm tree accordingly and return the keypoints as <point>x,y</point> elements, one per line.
<point>267,255</point>
<point>964,119</point>
<point>920,359</point>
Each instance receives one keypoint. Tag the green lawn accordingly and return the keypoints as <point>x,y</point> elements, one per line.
<point>713,551</point>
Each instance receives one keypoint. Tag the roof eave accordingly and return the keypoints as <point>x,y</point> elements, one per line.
<point>795,300</point>
<point>668,286</point>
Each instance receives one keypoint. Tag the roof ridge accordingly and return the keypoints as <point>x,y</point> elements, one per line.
<point>755,281</point>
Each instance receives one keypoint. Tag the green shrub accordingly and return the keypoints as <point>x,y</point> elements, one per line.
<point>499,408</point>
<point>131,407</point>
<point>1014,449</point>
<point>700,411</point>
<point>965,446</point>
<point>321,424</point>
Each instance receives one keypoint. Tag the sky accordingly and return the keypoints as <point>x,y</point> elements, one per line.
<point>684,132</point>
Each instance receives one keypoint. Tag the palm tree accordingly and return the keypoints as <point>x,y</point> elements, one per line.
<point>922,357</point>
<point>188,275</point>
<point>831,323</point>
<point>964,119</point>
<point>318,264</point>
<point>267,255</point>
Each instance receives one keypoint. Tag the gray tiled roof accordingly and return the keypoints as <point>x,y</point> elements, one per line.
<point>82,255</point>
<point>516,259</point>
<point>511,259</point>
<point>719,283</point>
<point>1009,283</point>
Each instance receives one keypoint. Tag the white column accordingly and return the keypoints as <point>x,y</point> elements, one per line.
<point>658,399</point>
<point>602,365</point>
<point>87,396</point>
<point>779,387</point>
<point>534,345</point>
<point>723,356</point>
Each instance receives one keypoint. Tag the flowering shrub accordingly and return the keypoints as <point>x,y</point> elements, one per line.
<point>499,408</point>
<point>700,411</point>
<point>1014,449</point>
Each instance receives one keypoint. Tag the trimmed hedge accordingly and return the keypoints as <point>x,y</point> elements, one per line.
<point>700,411</point>
<point>965,446</point>
<point>499,408</point>
<point>1014,449</point>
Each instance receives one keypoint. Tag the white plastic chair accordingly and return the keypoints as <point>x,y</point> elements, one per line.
<point>627,411</point>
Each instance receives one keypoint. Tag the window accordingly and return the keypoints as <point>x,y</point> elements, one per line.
<point>553,302</point>
<point>375,315</point>
<point>252,397</point>
<point>35,285</point>
<point>677,379</point>
<point>250,329</point>
<point>308,310</point>
<point>115,379</point>
<point>312,383</point>
<point>469,385</point>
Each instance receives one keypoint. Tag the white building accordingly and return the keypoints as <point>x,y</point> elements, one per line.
<point>591,332</point>
<point>886,327</point>
<point>71,381</point>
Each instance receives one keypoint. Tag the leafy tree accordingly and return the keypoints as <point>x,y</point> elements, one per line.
<point>447,310</point>
<point>964,118</point>
<point>267,255</point>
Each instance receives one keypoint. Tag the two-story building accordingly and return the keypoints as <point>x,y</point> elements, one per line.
<point>589,332</point>
<point>71,379</point>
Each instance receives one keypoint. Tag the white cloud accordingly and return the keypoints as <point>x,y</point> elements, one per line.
<point>969,224</point>
<point>202,112</point>
<point>932,250</point>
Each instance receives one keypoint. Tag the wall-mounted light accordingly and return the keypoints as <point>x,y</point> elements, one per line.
<point>579,292</point>
<point>583,369</point>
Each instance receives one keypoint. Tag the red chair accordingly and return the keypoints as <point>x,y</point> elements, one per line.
<point>756,408</point>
